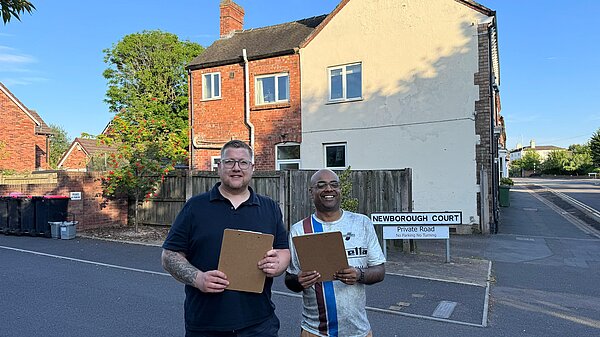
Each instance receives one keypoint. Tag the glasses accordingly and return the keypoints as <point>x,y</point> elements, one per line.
<point>321,185</point>
<point>242,163</point>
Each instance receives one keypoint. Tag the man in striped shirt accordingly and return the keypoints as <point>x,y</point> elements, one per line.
<point>336,308</point>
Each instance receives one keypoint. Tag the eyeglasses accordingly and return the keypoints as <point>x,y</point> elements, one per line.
<point>321,185</point>
<point>230,163</point>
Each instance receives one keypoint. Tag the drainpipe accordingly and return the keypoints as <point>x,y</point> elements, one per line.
<point>191,119</point>
<point>493,138</point>
<point>247,99</point>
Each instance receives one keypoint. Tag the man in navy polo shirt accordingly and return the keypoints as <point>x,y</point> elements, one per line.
<point>191,252</point>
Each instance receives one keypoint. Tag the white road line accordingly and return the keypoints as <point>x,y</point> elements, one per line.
<point>85,261</point>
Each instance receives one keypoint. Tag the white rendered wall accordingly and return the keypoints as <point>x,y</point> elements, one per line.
<point>418,64</point>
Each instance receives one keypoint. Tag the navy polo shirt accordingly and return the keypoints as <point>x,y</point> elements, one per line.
<point>198,231</point>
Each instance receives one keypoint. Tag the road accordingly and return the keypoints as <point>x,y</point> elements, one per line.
<point>545,276</point>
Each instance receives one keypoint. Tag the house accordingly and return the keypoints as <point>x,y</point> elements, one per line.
<point>246,86</point>
<point>24,136</point>
<point>85,154</point>
<point>372,85</point>
<point>543,150</point>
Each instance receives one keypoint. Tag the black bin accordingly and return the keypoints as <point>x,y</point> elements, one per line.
<point>14,215</point>
<point>49,208</point>
<point>3,215</point>
<point>27,215</point>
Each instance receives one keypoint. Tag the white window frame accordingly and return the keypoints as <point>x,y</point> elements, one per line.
<point>214,162</point>
<point>344,82</point>
<point>277,100</point>
<point>213,94</point>
<point>279,162</point>
<point>327,145</point>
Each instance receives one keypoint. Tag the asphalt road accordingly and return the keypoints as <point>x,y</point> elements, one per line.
<point>546,273</point>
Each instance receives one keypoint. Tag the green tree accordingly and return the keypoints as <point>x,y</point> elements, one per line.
<point>148,146</point>
<point>59,144</point>
<point>531,160</point>
<point>147,89</point>
<point>348,202</point>
<point>14,8</point>
<point>595,148</point>
<point>556,162</point>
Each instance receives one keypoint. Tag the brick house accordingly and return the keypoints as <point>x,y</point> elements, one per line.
<point>82,153</point>
<point>253,97</point>
<point>385,85</point>
<point>24,136</point>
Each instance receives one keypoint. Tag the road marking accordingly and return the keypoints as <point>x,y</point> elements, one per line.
<point>444,309</point>
<point>85,261</point>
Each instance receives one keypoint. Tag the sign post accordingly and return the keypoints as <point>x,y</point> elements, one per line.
<point>417,225</point>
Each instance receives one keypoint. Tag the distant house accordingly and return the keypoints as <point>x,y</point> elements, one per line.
<point>542,150</point>
<point>85,153</point>
<point>375,84</point>
<point>24,136</point>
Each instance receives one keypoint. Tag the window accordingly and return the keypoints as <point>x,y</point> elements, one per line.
<point>272,88</point>
<point>214,163</point>
<point>211,86</point>
<point>345,82</point>
<point>287,156</point>
<point>335,155</point>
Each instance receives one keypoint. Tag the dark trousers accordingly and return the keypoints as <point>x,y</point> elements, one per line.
<point>268,328</point>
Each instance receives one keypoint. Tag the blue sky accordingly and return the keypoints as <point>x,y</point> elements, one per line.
<point>549,57</point>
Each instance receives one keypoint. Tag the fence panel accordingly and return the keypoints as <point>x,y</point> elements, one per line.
<point>376,191</point>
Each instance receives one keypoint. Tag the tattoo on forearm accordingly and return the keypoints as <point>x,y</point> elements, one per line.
<point>179,267</point>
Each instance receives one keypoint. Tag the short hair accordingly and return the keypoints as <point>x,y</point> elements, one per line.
<point>238,144</point>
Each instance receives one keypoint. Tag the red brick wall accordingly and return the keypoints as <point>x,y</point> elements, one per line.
<point>217,121</point>
<point>92,210</point>
<point>77,159</point>
<point>232,17</point>
<point>20,143</point>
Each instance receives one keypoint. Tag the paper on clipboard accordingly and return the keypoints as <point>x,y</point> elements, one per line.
<point>323,252</point>
<point>240,253</point>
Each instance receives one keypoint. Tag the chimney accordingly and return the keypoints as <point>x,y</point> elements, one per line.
<point>232,17</point>
<point>532,144</point>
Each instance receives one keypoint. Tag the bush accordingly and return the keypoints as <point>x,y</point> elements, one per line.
<point>506,181</point>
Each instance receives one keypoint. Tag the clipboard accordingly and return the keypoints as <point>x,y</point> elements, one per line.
<point>323,252</point>
<point>240,253</point>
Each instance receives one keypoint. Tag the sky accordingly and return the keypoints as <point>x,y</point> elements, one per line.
<point>52,60</point>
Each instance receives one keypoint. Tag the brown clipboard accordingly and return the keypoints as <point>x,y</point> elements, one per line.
<point>323,252</point>
<point>240,253</point>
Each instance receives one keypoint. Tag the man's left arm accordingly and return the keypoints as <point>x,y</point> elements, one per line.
<point>372,274</point>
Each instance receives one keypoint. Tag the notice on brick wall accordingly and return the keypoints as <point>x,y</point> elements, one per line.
<point>75,195</point>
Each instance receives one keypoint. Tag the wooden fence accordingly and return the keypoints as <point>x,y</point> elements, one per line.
<point>376,191</point>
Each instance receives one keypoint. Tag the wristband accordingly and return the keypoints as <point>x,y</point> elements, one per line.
<point>361,278</point>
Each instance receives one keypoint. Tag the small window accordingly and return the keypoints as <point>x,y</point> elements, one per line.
<point>272,88</point>
<point>287,156</point>
<point>211,86</point>
<point>345,82</point>
<point>214,163</point>
<point>335,155</point>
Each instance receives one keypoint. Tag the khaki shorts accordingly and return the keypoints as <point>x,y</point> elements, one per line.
<point>305,333</point>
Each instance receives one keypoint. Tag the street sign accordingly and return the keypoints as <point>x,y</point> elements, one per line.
<point>75,195</point>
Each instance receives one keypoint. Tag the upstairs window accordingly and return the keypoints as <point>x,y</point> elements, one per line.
<point>211,86</point>
<point>272,88</point>
<point>345,82</point>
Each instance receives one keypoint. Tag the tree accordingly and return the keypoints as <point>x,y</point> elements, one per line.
<point>556,162</point>
<point>14,8</point>
<point>59,144</point>
<point>531,160</point>
<point>347,203</point>
<point>147,89</point>
<point>595,148</point>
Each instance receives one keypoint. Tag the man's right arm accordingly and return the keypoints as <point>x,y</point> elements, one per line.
<point>179,267</point>
<point>182,270</point>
